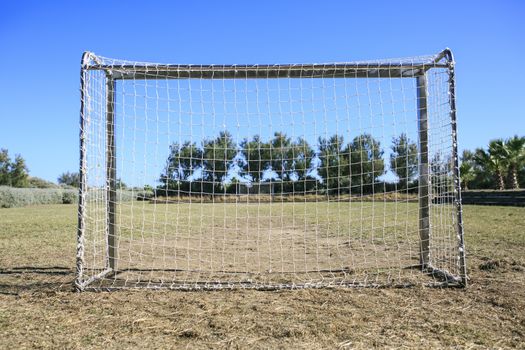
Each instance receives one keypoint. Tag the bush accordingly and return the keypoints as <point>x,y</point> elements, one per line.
<point>125,195</point>
<point>144,195</point>
<point>37,182</point>
<point>11,197</point>
<point>69,196</point>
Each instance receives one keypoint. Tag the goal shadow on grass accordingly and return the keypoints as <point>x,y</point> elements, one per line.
<point>30,279</point>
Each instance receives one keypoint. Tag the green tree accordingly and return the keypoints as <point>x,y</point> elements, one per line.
<point>403,159</point>
<point>234,186</point>
<point>521,175</point>
<point>475,172</point>
<point>515,153</point>
<point>494,160</point>
<point>69,179</point>
<point>19,172</point>
<point>181,164</point>
<point>121,184</point>
<point>13,173</point>
<point>256,157</point>
<point>467,171</point>
<point>219,154</point>
<point>366,162</point>
<point>281,155</point>
<point>467,175</point>
<point>332,163</point>
<point>441,169</point>
<point>291,160</point>
<point>303,155</point>
<point>5,167</point>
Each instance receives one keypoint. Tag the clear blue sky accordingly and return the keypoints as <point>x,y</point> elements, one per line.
<point>41,43</point>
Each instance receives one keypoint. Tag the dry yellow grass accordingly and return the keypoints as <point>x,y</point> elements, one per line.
<point>38,308</point>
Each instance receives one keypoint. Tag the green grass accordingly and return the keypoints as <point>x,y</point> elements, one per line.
<point>39,309</point>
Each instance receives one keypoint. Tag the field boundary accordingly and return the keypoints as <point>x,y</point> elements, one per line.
<point>494,197</point>
<point>278,198</point>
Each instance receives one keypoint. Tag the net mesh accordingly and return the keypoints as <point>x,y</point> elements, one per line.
<point>281,176</point>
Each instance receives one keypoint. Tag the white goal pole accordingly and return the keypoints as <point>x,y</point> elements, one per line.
<point>424,178</point>
<point>111,174</point>
<point>457,179</point>
<point>79,282</point>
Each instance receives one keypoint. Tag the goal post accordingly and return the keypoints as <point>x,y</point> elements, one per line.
<point>269,176</point>
<point>111,173</point>
<point>424,190</point>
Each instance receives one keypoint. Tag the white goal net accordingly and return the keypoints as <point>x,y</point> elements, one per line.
<point>269,176</point>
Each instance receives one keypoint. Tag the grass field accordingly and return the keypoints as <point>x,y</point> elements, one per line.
<point>39,309</point>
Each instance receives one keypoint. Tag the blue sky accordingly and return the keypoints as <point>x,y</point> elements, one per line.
<point>42,42</point>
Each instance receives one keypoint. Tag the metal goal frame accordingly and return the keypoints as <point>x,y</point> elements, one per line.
<point>417,71</point>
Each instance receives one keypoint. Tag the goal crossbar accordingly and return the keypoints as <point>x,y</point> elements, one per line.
<point>372,69</point>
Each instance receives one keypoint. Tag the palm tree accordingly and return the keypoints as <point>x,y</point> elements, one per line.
<point>466,172</point>
<point>468,169</point>
<point>515,151</point>
<point>494,160</point>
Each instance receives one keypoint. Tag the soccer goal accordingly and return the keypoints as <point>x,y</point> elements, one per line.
<point>269,176</point>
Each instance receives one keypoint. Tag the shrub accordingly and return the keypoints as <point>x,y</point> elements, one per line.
<point>69,196</point>
<point>125,195</point>
<point>144,195</point>
<point>11,197</point>
<point>37,182</point>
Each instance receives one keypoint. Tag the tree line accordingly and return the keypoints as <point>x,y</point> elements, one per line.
<point>499,166</point>
<point>15,173</point>
<point>333,166</point>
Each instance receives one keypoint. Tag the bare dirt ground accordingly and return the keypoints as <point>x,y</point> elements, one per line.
<point>263,245</point>
<point>38,308</point>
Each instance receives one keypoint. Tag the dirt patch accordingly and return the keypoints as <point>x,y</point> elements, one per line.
<point>267,246</point>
